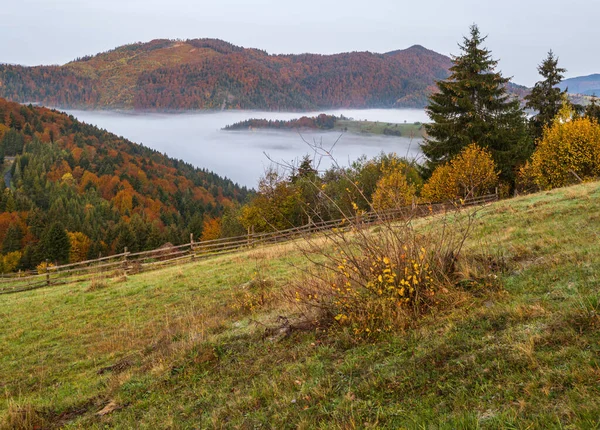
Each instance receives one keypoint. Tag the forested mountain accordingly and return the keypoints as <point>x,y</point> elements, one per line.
<point>64,178</point>
<point>586,85</point>
<point>210,74</point>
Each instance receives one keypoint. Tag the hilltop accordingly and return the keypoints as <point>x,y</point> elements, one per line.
<point>213,74</point>
<point>186,346</point>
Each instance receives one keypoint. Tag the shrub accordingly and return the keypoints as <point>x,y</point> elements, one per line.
<point>10,261</point>
<point>471,173</point>
<point>569,152</point>
<point>393,189</point>
<point>380,280</point>
<point>441,185</point>
<point>44,267</point>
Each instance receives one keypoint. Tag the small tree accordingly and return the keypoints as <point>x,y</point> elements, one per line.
<point>393,189</point>
<point>80,246</point>
<point>545,97</point>
<point>568,152</point>
<point>472,173</point>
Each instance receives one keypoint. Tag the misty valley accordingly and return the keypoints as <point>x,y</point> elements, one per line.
<point>241,156</point>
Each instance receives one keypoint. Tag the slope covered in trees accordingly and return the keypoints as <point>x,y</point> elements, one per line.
<point>207,74</point>
<point>71,183</point>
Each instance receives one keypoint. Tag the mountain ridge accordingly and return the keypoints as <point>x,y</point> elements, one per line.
<point>585,85</point>
<point>166,74</point>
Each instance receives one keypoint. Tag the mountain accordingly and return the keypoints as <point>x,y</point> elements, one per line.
<point>212,74</point>
<point>586,85</point>
<point>106,191</point>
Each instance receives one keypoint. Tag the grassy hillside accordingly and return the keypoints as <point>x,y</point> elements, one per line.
<point>211,74</point>
<point>186,348</point>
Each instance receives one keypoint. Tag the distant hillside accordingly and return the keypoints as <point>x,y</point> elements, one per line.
<point>586,85</point>
<point>211,74</point>
<point>110,192</point>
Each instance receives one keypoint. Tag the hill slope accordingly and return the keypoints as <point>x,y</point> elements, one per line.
<point>182,347</point>
<point>112,192</point>
<point>586,85</point>
<point>209,74</point>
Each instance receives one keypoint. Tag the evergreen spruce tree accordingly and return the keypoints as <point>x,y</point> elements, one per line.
<point>12,240</point>
<point>472,106</point>
<point>592,110</point>
<point>56,244</point>
<point>545,98</point>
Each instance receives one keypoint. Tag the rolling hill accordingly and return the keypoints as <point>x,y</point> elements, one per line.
<point>585,85</point>
<point>105,191</point>
<point>212,74</point>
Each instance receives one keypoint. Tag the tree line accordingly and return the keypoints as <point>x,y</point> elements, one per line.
<point>480,139</point>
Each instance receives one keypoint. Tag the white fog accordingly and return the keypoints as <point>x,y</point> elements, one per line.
<point>197,138</point>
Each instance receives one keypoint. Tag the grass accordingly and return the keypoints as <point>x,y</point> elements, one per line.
<point>414,130</point>
<point>173,349</point>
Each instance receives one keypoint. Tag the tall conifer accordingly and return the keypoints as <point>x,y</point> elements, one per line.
<point>545,97</point>
<point>473,106</point>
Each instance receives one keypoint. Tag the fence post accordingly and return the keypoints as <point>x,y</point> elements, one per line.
<point>250,234</point>
<point>497,195</point>
<point>192,245</point>
<point>47,272</point>
<point>125,261</point>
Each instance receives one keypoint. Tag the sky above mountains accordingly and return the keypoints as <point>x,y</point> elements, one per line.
<point>520,32</point>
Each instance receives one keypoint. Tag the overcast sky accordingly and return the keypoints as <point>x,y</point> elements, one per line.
<point>520,32</point>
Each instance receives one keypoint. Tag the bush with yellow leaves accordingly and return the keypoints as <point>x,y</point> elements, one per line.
<point>393,189</point>
<point>471,173</point>
<point>379,279</point>
<point>568,153</point>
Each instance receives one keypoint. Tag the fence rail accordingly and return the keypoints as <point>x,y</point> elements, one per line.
<point>131,263</point>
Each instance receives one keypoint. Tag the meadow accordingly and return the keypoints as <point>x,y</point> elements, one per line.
<point>196,346</point>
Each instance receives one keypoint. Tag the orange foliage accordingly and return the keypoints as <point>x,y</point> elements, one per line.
<point>211,229</point>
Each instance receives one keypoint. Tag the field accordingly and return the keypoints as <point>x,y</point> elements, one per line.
<point>414,130</point>
<point>187,347</point>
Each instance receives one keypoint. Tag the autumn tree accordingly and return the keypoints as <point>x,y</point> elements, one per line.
<point>472,105</point>
<point>568,152</point>
<point>80,246</point>
<point>471,173</point>
<point>393,189</point>
<point>545,98</point>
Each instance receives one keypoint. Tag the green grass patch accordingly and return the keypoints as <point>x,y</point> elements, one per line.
<point>171,349</point>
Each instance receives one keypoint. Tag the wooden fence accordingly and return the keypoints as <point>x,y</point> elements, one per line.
<point>135,262</point>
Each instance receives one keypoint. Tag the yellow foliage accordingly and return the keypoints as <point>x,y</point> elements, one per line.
<point>471,173</point>
<point>441,185</point>
<point>44,267</point>
<point>68,178</point>
<point>211,229</point>
<point>10,261</point>
<point>393,189</point>
<point>80,246</point>
<point>569,151</point>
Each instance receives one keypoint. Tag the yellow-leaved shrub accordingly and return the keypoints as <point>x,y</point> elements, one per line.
<point>471,173</point>
<point>393,189</point>
<point>568,152</point>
